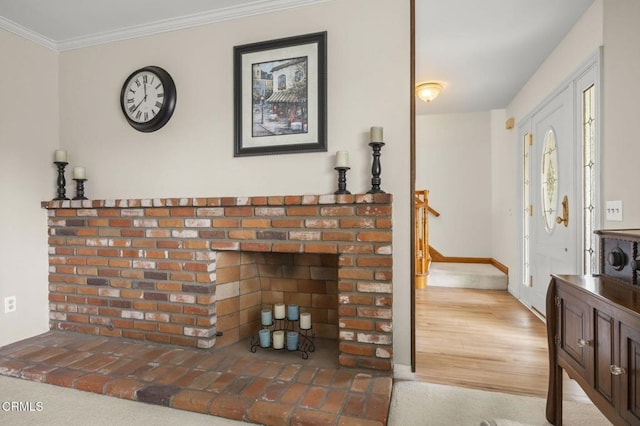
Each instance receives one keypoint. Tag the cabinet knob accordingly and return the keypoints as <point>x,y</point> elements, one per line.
<point>583,343</point>
<point>616,370</point>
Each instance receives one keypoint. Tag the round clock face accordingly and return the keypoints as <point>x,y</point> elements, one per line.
<point>148,98</point>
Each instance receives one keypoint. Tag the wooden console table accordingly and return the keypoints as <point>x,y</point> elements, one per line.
<point>593,330</point>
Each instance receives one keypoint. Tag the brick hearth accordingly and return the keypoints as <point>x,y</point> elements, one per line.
<point>151,269</point>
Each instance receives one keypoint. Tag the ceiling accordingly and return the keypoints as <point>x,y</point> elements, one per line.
<point>483,51</point>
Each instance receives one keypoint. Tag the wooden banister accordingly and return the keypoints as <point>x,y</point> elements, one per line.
<point>423,258</point>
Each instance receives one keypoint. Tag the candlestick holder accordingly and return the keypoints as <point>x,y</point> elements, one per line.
<point>80,189</point>
<point>376,168</point>
<point>62,183</point>
<point>342,180</point>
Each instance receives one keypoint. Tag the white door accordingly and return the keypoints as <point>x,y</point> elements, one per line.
<point>556,218</point>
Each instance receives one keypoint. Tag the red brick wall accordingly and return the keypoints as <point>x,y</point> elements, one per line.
<point>148,269</point>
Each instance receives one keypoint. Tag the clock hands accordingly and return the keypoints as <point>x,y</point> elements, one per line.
<point>139,103</point>
<point>144,99</point>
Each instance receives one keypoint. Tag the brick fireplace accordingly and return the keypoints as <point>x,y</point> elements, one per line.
<point>197,271</point>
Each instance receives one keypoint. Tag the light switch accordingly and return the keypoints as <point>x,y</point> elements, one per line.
<point>614,210</point>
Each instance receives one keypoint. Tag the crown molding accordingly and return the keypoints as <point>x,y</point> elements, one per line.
<point>23,32</point>
<point>258,7</point>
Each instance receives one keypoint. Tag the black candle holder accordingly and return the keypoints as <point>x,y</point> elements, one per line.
<point>376,169</point>
<point>80,189</point>
<point>342,180</point>
<point>62,183</point>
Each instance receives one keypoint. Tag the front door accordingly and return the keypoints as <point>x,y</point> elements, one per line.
<point>553,195</point>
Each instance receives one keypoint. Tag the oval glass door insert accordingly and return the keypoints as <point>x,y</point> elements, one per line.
<point>549,180</point>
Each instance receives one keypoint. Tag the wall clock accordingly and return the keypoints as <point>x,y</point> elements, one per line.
<point>148,98</point>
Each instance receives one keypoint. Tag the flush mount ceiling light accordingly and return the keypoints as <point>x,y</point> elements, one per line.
<point>428,91</point>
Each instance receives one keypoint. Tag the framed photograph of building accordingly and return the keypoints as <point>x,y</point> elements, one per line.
<point>280,96</point>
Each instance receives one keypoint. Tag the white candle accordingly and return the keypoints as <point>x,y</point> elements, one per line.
<point>278,339</point>
<point>305,321</point>
<point>79,173</point>
<point>376,134</point>
<point>60,156</point>
<point>342,159</point>
<point>279,310</point>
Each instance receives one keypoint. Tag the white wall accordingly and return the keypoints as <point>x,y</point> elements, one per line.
<point>28,137</point>
<point>453,161</point>
<point>579,44</point>
<point>621,91</point>
<point>503,191</point>
<point>368,85</point>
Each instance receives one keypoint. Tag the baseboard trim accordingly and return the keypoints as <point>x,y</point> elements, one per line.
<point>436,256</point>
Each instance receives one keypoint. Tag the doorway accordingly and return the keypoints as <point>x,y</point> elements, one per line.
<point>580,200</point>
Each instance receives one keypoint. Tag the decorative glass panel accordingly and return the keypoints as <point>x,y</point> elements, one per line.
<point>549,180</point>
<point>526,213</point>
<point>589,180</point>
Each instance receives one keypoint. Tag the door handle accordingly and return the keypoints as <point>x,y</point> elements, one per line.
<point>565,212</point>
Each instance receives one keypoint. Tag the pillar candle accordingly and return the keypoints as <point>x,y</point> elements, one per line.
<point>279,308</point>
<point>292,340</point>
<point>342,159</point>
<point>60,156</point>
<point>278,339</point>
<point>292,312</point>
<point>79,173</point>
<point>266,317</point>
<point>265,338</point>
<point>376,134</point>
<point>305,321</point>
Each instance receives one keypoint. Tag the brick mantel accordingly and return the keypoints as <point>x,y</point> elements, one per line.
<point>147,268</point>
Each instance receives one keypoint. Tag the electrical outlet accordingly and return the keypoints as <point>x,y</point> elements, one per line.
<point>9,304</point>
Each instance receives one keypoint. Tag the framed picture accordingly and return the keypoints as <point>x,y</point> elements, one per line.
<point>280,96</point>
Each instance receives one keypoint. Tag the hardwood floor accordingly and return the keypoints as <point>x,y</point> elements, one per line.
<point>482,339</point>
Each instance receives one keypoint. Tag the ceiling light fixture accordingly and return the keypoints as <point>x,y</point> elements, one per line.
<point>428,91</point>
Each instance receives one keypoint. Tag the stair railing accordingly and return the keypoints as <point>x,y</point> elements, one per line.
<point>423,258</point>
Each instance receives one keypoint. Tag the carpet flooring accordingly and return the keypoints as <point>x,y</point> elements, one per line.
<point>426,404</point>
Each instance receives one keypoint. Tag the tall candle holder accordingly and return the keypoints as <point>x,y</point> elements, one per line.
<point>80,189</point>
<point>376,168</point>
<point>62,183</point>
<point>342,180</point>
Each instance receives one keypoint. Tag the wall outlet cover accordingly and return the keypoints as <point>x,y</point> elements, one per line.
<point>614,210</point>
<point>9,304</point>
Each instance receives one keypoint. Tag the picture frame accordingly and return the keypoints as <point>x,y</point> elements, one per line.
<point>280,96</point>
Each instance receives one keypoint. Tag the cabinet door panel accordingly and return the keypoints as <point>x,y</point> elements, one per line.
<point>604,329</point>
<point>574,332</point>
<point>630,380</point>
